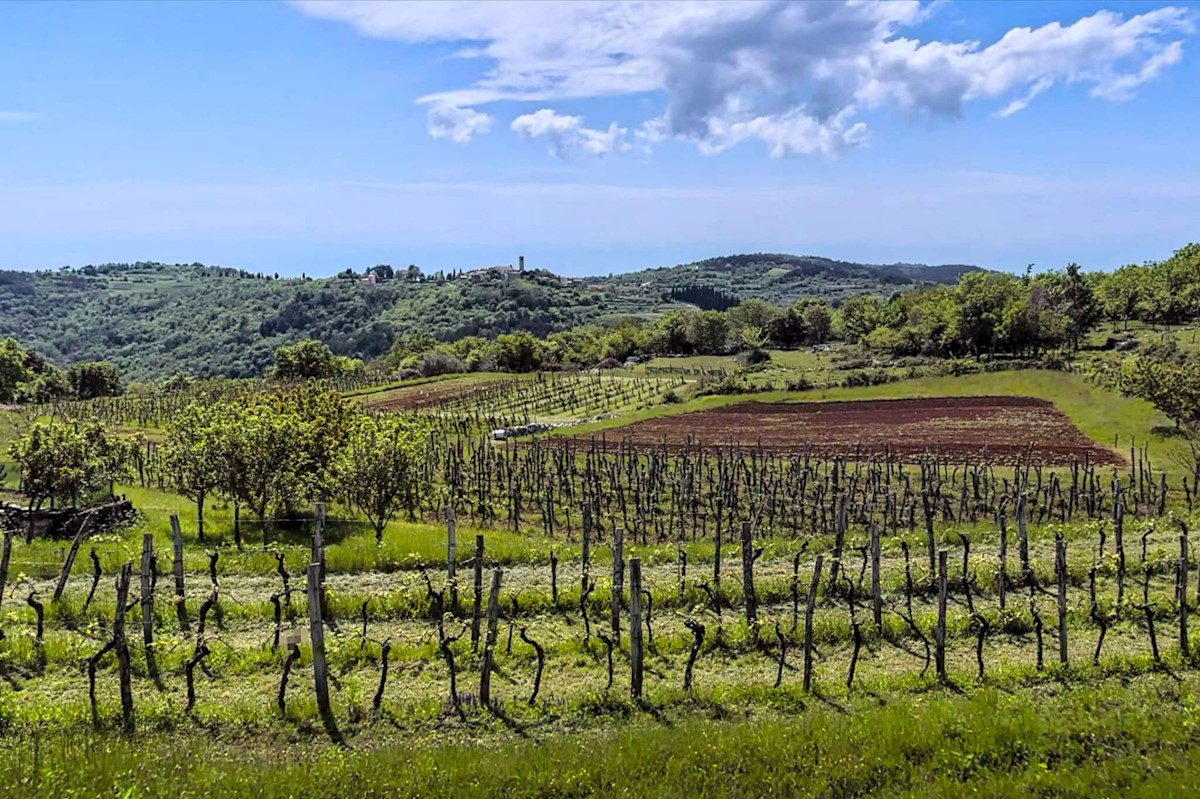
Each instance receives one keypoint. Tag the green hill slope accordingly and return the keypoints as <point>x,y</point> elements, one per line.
<point>783,279</point>
<point>154,319</point>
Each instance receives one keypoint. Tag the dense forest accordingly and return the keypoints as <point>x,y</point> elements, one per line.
<point>153,320</point>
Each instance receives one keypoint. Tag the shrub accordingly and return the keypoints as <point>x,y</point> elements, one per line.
<point>433,364</point>
<point>868,377</point>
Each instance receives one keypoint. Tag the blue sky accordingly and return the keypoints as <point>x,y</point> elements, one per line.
<point>596,137</point>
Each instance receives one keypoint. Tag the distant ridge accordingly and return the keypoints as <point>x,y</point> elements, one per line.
<point>154,319</point>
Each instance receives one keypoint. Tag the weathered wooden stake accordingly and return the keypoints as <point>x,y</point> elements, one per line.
<point>587,546</point>
<point>477,607</point>
<point>939,632</point>
<point>147,602</point>
<point>1060,570</point>
<point>749,596</point>
<point>636,654</point>
<point>1022,535</point>
<point>318,541</point>
<point>1181,590</point>
<point>1119,542</point>
<point>554,579</point>
<point>316,633</point>
<point>177,566</point>
<point>1002,579</point>
<point>489,646</point>
<point>84,525</point>
<point>618,580</point>
<point>121,644</point>
<point>452,558</point>
<point>876,592</point>
<point>808,622</point>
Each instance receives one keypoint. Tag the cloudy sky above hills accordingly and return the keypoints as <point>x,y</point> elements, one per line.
<point>596,136</point>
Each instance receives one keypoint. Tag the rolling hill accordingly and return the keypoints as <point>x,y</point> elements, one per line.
<point>154,319</point>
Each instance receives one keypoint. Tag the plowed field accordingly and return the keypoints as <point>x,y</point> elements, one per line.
<point>432,395</point>
<point>961,428</point>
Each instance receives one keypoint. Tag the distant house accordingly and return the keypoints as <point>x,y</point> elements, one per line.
<point>505,270</point>
<point>369,280</point>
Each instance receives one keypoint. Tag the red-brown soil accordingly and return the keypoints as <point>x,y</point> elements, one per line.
<point>960,428</point>
<point>431,395</point>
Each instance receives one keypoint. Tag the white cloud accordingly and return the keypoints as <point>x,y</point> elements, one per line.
<point>796,76</point>
<point>459,125</point>
<point>567,136</point>
<point>16,116</point>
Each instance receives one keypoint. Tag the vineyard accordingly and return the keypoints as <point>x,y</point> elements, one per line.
<point>660,577</point>
<point>471,404</point>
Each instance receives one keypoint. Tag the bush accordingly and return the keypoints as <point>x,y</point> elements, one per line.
<point>800,384</point>
<point>754,357</point>
<point>433,364</point>
<point>868,377</point>
<point>671,397</point>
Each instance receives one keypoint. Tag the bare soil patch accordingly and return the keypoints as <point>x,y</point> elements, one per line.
<point>432,395</point>
<point>962,428</point>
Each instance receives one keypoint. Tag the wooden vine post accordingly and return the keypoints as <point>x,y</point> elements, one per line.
<point>1119,540</point>
<point>751,599</point>
<point>316,633</point>
<point>1002,577</point>
<point>808,622</point>
<point>618,580</point>
<point>1060,571</point>
<point>930,541</point>
<point>318,540</point>
<point>876,592</point>
<point>81,530</point>
<point>489,646</point>
<point>1182,591</point>
<point>147,603</point>
<point>587,546</point>
<point>477,606</point>
<point>452,558</point>
<point>121,645</point>
<point>939,632</point>
<point>177,567</point>
<point>1022,535</point>
<point>636,653</point>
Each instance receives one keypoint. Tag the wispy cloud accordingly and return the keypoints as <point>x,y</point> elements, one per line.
<point>796,76</point>
<point>16,116</point>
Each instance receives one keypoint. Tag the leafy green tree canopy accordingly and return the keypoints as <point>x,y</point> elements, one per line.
<point>92,379</point>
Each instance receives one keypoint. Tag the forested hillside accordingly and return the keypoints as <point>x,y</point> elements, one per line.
<point>155,319</point>
<point>783,279</point>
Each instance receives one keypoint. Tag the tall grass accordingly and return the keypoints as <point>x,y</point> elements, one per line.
<point>1095,741</point>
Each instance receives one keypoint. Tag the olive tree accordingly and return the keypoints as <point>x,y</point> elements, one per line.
<point>381,467</point>
<point>61,461</point>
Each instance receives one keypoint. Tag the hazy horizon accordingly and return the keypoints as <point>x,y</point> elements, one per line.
<point>596,137</point>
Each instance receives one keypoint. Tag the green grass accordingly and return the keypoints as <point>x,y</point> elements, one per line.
<point>1064,741</point>
<point>1124,727</point>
